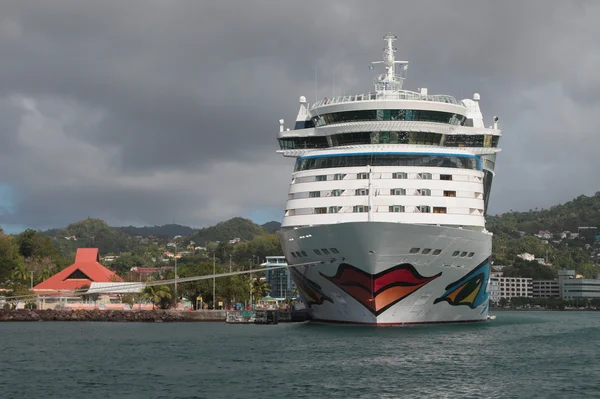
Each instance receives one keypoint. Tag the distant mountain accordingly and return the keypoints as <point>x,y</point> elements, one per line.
<point>271,227</point>
<point>225,231</point>
<point>50,232</point>
<point>580,212</point>
<point>167,230</point>
<point>94,233</point>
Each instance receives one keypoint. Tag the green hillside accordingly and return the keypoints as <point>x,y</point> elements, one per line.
<point>237,227</point>
<point>167,230</point>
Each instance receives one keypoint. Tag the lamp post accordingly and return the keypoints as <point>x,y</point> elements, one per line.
<point>176,276</point>
<point>229,263</point>
<point>214,272</point>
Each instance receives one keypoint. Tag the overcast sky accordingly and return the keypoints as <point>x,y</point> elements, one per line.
<point>145,112</point>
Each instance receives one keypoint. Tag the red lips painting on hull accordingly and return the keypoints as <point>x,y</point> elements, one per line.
<point>378,292</point>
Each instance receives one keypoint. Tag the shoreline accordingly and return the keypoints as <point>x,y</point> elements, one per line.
<point>121,316</point>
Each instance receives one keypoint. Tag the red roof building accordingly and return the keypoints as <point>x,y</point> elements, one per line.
<point>84,271</point>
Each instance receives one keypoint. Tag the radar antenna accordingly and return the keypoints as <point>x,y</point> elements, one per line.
<point>390,80</point>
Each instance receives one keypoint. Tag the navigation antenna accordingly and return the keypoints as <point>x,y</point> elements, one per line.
<point>390,81</point>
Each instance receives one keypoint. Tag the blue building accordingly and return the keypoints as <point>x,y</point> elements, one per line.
<point>280,280</point>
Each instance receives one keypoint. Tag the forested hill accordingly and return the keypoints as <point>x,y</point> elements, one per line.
<point>580,212</point>
<point>238,227</point>
<point>166,230</point>
<point>272,227</point>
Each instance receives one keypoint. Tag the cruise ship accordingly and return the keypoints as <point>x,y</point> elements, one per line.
<point>385,218</point>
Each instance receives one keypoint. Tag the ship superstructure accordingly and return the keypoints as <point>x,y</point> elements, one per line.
<point>384,222</point>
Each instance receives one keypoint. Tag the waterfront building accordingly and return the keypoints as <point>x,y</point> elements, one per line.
<point>509,287</point>
<point>577,288</point>
<point>279,280</point>
<point>86,270</point>
<point>546,289</point>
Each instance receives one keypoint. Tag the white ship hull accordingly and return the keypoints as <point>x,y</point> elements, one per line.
<point>375,279</point>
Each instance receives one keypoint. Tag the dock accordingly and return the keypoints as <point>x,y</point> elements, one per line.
<point>267,316</point>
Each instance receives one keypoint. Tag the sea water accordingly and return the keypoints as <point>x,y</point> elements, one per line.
<point>518,355</point>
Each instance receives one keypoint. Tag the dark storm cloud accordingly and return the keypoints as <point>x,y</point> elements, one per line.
<point>138,112</point>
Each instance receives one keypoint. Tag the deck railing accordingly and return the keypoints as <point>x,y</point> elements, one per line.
<point>391,95</point>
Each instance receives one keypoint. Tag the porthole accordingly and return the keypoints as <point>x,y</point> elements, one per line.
<point>471,254</point>
<point>317,251</point>
<point>334,250</point>
<point>455,253</point>
<point>437,252</point>
<point>414,250</point>
<point>426,251</point>
<point>325,251</point>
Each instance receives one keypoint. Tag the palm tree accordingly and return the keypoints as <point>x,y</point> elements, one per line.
<point>21,272</point>
<point>260,288</point>
<point>157,294</point>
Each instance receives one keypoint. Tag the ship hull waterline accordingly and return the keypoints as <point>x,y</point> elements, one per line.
<point>390,273</point>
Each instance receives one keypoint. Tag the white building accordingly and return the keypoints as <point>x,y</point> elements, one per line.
<point>509,287</point>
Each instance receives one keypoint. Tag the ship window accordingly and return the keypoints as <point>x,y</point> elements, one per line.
<point>399,175</point>
<point>439,209</point>
<point>388,115</point>
<point>391,137</point>
<point>445,177</point>
<point>471,140</point>
<point>359,209</point>
<point>334,250</point>
<point>319,211</point>
<point>339,176</point>
<point>317,251</point>
<point>334,209</point>
<point>294,254</point>
<point>424,192</point>
<point>471,254</point>
<point>336,193</point>
<point>463,254</point>
<point>314,194</point>
<point>292,143</point>
<point>397,208</point>
<point>361,191</point>
<point>304,253</point>
<point>437,252</point>
<point>461,161</point>
<point>426,251</point>
<point>325,251</point>
<point>398,191</point>
<point>414,250</point>
<point>423,209</point>
<point>455,253</point>
<point>449,193</point>
<point>321,178</point>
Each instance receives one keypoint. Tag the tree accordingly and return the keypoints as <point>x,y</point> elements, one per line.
<point>10,259</point>
<point>123,264</point>
<point>41,267</point>
<point>131,299</point>
<point>34,243</point>
<point>260,288</point>
<point>20,273</point>
<point>158,295</point>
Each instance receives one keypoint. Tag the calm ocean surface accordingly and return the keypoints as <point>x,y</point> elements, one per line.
<point>518,355</point>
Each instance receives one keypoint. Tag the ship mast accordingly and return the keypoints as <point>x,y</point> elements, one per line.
<point>390,80</point>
